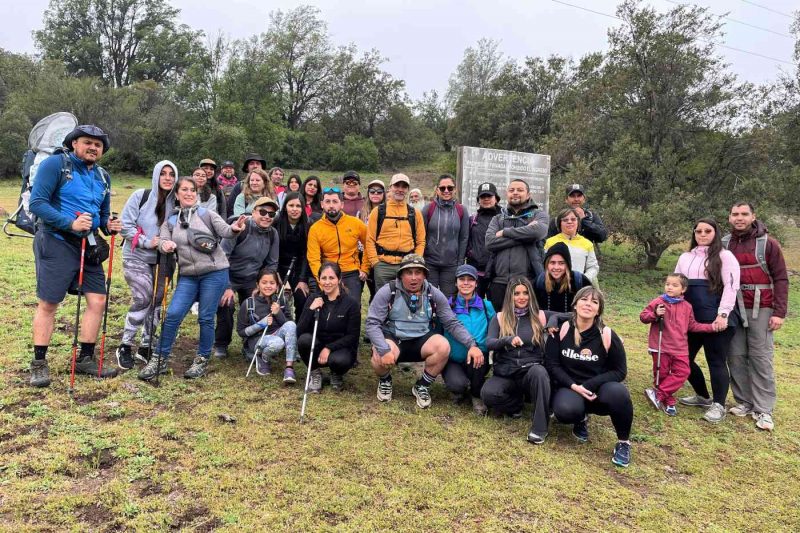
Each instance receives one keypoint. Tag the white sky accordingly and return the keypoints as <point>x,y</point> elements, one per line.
<point>425,40</point>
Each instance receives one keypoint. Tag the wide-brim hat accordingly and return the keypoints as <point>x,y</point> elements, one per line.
<point>252,156</point>
<point>208,161</point>
<point>87,130</point>
<point>412,261</point>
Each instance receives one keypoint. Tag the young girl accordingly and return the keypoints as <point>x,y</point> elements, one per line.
<point>263,311</point>
<point>673,316</point>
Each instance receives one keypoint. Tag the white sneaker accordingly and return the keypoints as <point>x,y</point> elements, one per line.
<point>764,421</point>
<point>715,413</point>
<point>195,308</point>
<point>384,390</point>
<point>740,410</point>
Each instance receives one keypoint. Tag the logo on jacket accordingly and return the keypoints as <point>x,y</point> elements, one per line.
<point>584,355</point>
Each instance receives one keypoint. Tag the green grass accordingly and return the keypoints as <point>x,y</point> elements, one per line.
<point>126,455</point>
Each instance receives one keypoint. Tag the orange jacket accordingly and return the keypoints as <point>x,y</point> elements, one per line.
<point>395,234</point>
<point>337,243</point>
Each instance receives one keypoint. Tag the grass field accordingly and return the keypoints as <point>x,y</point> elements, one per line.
<point>124,455</point>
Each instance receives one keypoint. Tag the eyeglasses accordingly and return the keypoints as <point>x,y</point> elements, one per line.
<point>375,191</point>
<point>699,231</point>
<point>447,188</point>
<point>267,213</point>
<point>337,190</point>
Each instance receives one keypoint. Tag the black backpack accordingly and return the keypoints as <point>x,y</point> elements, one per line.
<point>412,221</point>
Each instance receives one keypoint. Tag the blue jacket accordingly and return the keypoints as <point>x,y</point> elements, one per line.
<point>476,323</point>
<point>86,192</point>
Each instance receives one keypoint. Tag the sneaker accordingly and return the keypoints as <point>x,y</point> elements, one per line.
<point>581,430</point>
<point>535,438</point>
<point>263,365</point>
<point>764,421</point>
<point>288,376</point>
<point>478,406</point>
<point>622,454</point>
<point>220,352</point>
<point>423,395</point>
<point>715,413</point>
<point>198,368</point>
<point>671,410</point>
<point>696,401</point>
<point>152,368</point>
<point>385,390</point>
<point>124,357</point>
<point>315,384</point>
<point>195,309</point>
<point>40,373</point>
<point>740,410</point>
<point>651,395</point>
<point>88,366</point>
<point>143,355</point>
<point>337,381</point>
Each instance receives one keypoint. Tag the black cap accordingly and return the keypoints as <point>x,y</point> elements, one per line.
<point>351,175</point>
<point>253,157</point>
<point>87,130</point>
<point>574,187</point>
<point>488,189</point>
<point>228,163</point>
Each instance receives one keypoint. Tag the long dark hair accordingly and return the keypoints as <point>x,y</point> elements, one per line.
<point>337,270</point>
<point>282,223</point>
<point>161,204</point>
<point>713,260</point>
<point>316,201</point>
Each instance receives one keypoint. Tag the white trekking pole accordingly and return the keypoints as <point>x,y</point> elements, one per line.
<point>310,362</point>
<point>259,349</point>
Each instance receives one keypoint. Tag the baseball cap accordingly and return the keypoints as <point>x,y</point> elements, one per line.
<point>266,200</point>
<point>467,270</point>
<point>351,175</point>
<point>574,187</point>
<point>488,189</point>
<point>400,178</point>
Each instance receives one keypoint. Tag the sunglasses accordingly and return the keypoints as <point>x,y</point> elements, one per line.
<point>447,188</point>
<point>703,231</point>
<point>375,191</point>
<point>337,190</point>
<point>267,213</point>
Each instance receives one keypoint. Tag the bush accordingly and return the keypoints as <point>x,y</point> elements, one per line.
<point>305,149</point>
<point>356,152</point>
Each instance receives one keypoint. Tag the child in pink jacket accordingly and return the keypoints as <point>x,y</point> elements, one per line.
<point>676,320</point>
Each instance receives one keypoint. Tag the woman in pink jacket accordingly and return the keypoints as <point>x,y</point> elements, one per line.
<point>713,274</point>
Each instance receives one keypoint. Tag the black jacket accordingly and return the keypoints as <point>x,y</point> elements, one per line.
<point>508,360</point>
<point>588,364</point>
<point>261,308</point>
<point>592,227</point>
<point>293,246</point>
<point>477,254</point>
<point>339,323</point>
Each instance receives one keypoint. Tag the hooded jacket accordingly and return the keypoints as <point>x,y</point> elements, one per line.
<point>261,308</point>
<point>707,305</point>
<point>581,250</point>
<point>337,242</point>
<point>190,261</point>
<point>477,254</point>
<point>678,321</point>
<point>140,226</point>
<point>560,302</point>
<point>516,252</point>
<point>446,235</point>
<point>250,251</point>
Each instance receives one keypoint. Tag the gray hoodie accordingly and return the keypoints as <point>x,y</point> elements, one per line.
<point>190,261</point>
<point>144,221</point>
<point>445,235</point>
<point>250,251</point>
<point>517,252</point>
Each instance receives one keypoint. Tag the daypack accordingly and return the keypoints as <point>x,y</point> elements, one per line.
<point>412,221</point>
<point>393,293</point>
<point>251,308</point>
<point>761,257</point>
<point>605,334</point>
<point>761,251</point>
<point>432,208</point>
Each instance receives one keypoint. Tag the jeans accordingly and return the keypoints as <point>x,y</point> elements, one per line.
<point>207,290</point>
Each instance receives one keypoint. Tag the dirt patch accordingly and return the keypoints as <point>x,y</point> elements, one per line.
<point>148,488</point>
<point>332,518</point>
<point>89,397</point>
<point>100,518</point>
<point>197,518</point>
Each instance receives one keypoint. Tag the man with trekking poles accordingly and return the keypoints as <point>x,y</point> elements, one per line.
<point>71,200</point>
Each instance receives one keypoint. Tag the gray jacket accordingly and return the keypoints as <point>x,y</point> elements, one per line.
<point>142,224</point>
<point>445,235</point>
<point>517,252</point>
<point>190,261</point>
<point>378,318</point>
<point>250,251</point>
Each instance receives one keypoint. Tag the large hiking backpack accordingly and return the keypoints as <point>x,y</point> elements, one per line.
<point>44,140</point>
<point>412,222</point>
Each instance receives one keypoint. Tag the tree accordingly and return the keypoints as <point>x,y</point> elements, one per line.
<point>477,71</point>
<point>434,114</point>
<point>120,41</point>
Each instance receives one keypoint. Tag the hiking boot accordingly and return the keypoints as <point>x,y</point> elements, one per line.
<point>315,384</point>
<point>651,395</point>
<point>764,421</point>
<point>195,309</point>
<point>423,395</point>
<point>459,398</point>
<point>288,376</point>
<point>740,410</point>
<point>88,366</point>
<point>581,430</point>
<point>337,381</point>
<point>622,454</point>
<point>124,357</point>
<point>152,368</point>
<point>535,438</point>
<point>385,389</point>
<point>715,413</point>
<point>220,352</point>
<point>198,368</point>
<point>671,410</point>
<point>143,355</point>
<point>478,406</point>
<point>696,401</point>
<point>263,365</point>
<point>40,373</point>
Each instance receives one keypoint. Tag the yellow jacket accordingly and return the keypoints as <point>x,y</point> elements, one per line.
<point>395,234</point>
<point>337,243</point>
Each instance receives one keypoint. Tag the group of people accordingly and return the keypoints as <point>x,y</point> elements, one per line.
<point>504,290</point>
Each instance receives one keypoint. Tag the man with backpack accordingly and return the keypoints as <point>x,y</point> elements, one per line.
<point>394,230</point>
<point>590,224</point>
<point>256,247</point>
<point>762,303</point>
<point>514,236</point>
<point>401,325</point>
<point>71,199</point>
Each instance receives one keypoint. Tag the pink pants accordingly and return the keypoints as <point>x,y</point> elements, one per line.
<point>673,374</point>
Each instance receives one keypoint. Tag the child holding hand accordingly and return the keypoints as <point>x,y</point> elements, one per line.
<point>671,319</point>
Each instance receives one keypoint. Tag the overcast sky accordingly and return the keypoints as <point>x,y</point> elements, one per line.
<point>424,40</point>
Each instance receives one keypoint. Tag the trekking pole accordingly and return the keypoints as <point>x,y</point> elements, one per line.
<point>658,355</point>
<point>77,319</point>
<point>161,336</point>
<point>288,287</point>
<point>310,363</point>
<point>152,312</point>
<point>108,297</point>
<point>259,349</point>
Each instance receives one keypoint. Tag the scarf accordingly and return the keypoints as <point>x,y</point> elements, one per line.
<point>670,299</point>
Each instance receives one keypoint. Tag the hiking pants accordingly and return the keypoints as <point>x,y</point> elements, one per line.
<point>462,378</point>
<point>273,344</point>
<point>716,347</point>
<point>613,399</point>
<point>750,364</point>
<point>144,312</point>
<point>672,375</point>
<point>383,273</point>
<point>507,394</point>
<point>353,284</point>
<point>339,361</point>
<point>443,277</point>
<point>225,313</point>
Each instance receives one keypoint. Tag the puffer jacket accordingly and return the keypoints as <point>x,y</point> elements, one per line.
<point>192,262</point>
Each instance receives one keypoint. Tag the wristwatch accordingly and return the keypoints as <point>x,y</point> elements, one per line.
<point>723,315</point>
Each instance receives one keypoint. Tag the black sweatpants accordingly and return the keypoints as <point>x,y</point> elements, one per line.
<point>715,346</point>
<point>507,394</point>
<point>613,399</point>
<point>461,378</point>
<point>339,361</point>
<point>497,293</point>
<point>224,330</point>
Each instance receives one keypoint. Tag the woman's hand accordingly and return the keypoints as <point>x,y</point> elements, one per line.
<point>586,393</point>
<point>323,356</point>
<point>302,286</point>
<point>720,324</point>
<point>239,224</point>
<point>475,357</point>
<point>316,304</point>
<point>516,342</point>
<point>168,246</point>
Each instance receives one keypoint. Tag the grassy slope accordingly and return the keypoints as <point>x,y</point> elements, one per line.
<point>124,454</point>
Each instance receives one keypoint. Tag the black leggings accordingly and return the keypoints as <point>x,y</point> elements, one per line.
<point>339,361</point>
<point>506,394</point>
<point>497,293</point>
<point>715,346</point>
<point>460,378</point>
<point>613,399</point>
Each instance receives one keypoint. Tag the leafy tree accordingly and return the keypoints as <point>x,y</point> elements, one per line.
<point>434,115</point>
<point>356,152</point>
<point>402,138</point>
<point>477,71</point>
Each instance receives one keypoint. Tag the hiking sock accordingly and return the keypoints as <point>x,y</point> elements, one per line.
<point>386,377</point>
<point>40,352</point>
<point>426,380</point>
<point>87,350</point>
